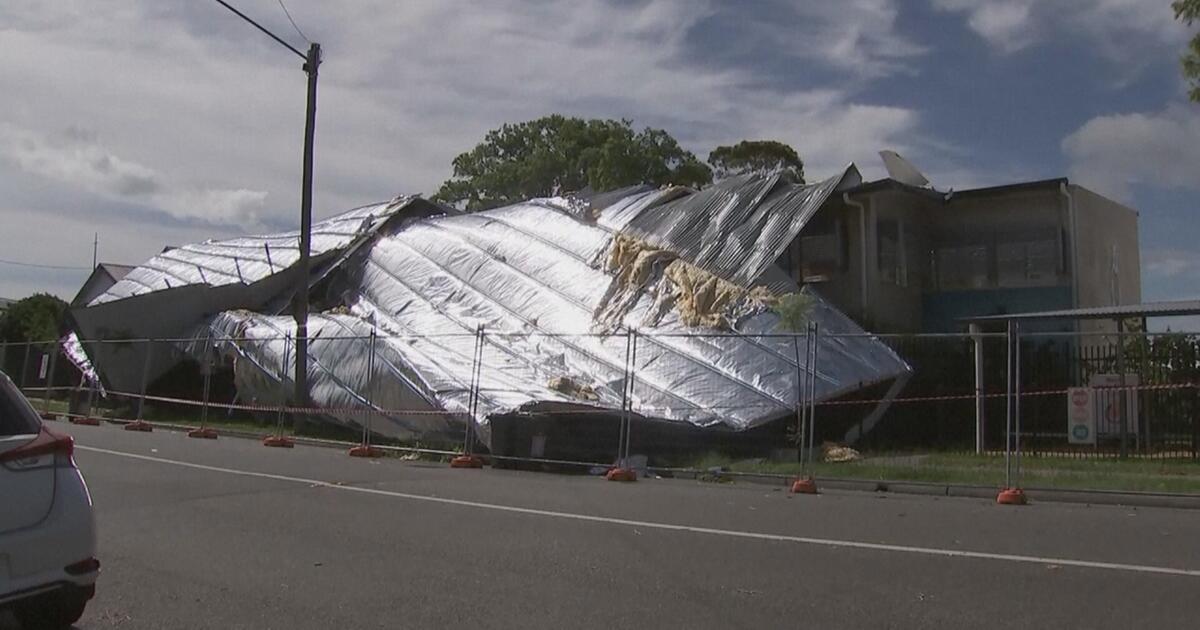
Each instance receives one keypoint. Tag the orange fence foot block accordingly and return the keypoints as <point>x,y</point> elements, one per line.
<point>279,441</point>
<point>365,451</point>
<point>203,433</point>
<point>621,474</point>
<point>48,415</point>
<point>1012,496</point>
<point>86,420</point>
<point>804,486</point>
<point>466,461</point>
<point>139,425</point>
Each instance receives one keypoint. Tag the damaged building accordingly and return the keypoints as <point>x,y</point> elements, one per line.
<point>425,318</point>
<point>518,319</point>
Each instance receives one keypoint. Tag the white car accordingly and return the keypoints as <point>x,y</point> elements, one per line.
<point>48,564</point>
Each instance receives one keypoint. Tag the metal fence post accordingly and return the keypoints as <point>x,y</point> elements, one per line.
<point>468,459</point>
<point>1012,494</point>
<point>624,401</point>
<point>804,484</point>
<point>622,471</point>
<point>24,365</point>
<point>977,344</point>
<point>145,377</point>
<point>206,368</point>
<point>1008,404</point>
<point>279,440</point>
<point>1122,395</point>
<point>1017,397</point>
<point>50,378</point>
<point>801,405</point>
<point>632,392</point>
<point>364,448</point>
<point>812,390</point>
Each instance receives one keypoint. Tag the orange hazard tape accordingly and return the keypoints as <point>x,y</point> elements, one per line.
<point>353,411</point>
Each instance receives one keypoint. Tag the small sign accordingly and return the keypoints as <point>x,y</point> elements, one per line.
<point>1107,402</point>
<point>44,367</point>
<point>1081,416</point>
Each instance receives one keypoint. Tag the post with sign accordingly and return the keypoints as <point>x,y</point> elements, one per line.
<point>1081,417</point>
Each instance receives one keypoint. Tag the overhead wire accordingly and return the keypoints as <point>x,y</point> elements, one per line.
<point>18,263</point>
<point>289,17</point>
<point>262,28</point>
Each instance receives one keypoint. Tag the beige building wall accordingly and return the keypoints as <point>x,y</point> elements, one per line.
<point>894,292</point>
<point>1108,242</point>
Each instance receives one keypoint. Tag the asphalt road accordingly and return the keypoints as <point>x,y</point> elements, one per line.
<point>229,534</point>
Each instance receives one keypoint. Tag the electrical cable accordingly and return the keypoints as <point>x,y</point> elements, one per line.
<point>289,17</point>
<point>18,263</point>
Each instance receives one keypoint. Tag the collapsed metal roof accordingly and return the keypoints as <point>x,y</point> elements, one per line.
<point>555,284</point>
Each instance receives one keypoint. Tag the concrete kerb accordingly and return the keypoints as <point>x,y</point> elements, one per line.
<point>1052,495</point>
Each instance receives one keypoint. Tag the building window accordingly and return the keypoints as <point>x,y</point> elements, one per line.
<point>1028,262</point>
<point>962,267</point>
<point>823,249</point>
<point>890,252</point>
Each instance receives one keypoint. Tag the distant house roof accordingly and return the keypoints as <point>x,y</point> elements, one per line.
<point>115,271</point>
<point>104,276</point>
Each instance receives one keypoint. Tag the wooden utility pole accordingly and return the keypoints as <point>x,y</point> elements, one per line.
<point>311,63</point>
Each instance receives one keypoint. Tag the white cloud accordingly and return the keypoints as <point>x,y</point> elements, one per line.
<point>1112,153</point>
<point>77,159</point>
<point>1005,24</point>
<point>1171,263</point>
<point>1129,33</point>
<point>201,117</point>
<point>857,36</point>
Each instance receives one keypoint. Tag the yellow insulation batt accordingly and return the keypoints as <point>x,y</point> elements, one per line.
<point>573,388</point>
<point>700,298</point>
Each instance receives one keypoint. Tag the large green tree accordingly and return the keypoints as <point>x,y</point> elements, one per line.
<point>1188,11</point>
<point>556,153</point>
<point>757,157</point>
<point>35,318</point>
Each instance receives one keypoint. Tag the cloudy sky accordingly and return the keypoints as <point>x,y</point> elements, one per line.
<point>161,122</point>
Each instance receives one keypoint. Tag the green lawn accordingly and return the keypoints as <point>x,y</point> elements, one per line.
<point>988,470</point>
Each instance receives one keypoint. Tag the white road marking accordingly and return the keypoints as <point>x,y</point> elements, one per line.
<point>730,533</point>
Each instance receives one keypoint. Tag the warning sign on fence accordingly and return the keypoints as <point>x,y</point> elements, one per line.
<point>1081,416</point>
<point>1107,402</point>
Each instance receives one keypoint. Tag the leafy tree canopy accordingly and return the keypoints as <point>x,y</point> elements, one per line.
<point>1188,11</point>
<point>555,153</point>
<point>757,157</point>
<point>35,318</point>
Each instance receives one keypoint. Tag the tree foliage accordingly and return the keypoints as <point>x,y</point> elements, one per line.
<point>794,310</point>
<point>555,153</point>
<point>35,318</point>
<point>1188,11</point>
<point>757,157</point>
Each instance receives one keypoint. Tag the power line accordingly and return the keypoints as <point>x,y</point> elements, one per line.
<point>17,263</point>
<point>289,17</point>
<point>263,29</point>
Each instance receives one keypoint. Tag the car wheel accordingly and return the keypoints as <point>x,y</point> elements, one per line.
<point>52,611</point>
